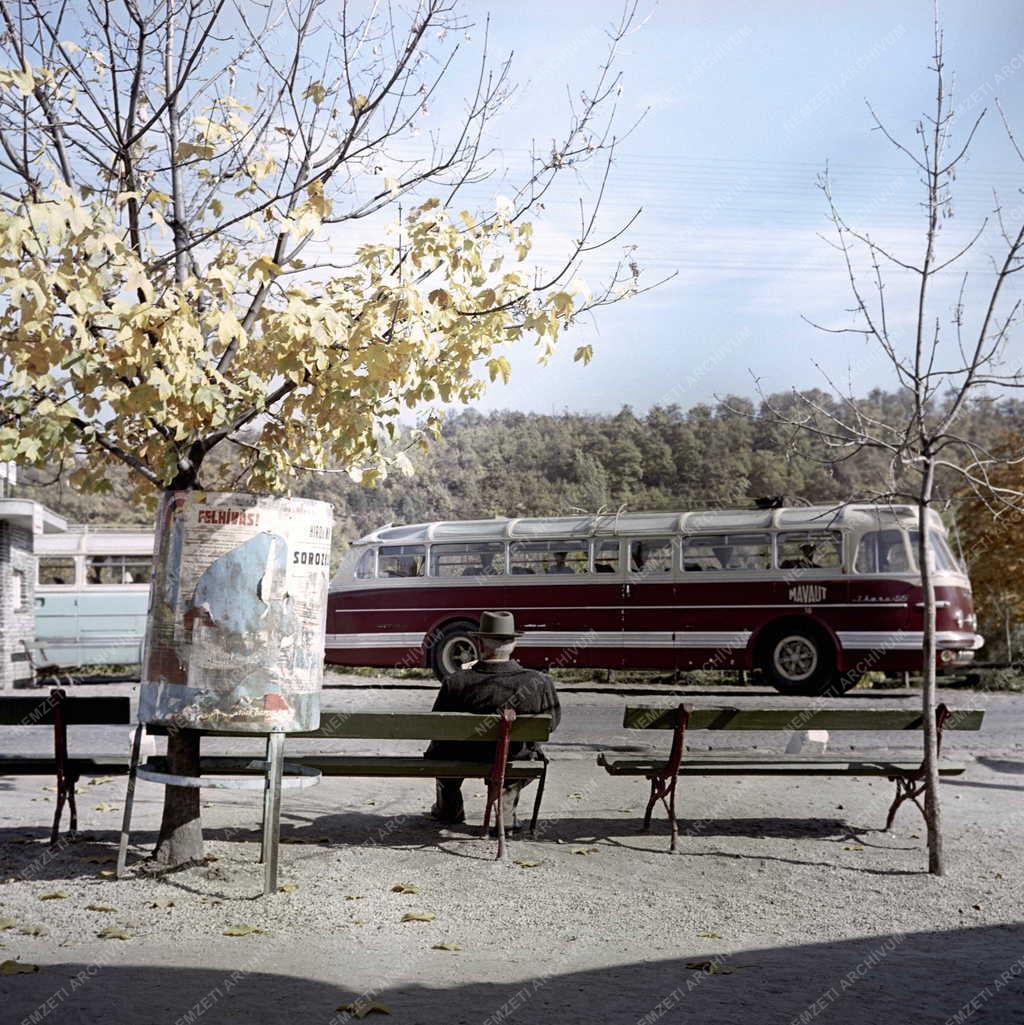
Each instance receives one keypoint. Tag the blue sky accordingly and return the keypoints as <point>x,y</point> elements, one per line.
<point>747,103</point>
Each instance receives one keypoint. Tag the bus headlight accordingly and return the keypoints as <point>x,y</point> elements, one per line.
<point>947,655</point>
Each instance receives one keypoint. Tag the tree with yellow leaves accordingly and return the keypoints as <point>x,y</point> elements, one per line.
<point>180,184</point>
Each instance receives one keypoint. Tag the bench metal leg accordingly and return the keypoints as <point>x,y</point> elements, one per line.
<point>663,785</point>
<point>65,784</point>
<point>911,785</point>
<point>272,811</point>
<point>129,803</point>
<point>496,782</point>
<point>540,794</point>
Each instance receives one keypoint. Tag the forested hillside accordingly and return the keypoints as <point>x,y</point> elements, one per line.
<point>520,464</point>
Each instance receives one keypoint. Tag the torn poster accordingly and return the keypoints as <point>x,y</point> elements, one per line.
<point>235,636</point>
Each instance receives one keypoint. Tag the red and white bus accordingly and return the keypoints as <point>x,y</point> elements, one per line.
<point>811,596</point>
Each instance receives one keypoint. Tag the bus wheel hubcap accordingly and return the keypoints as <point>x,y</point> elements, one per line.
<point>457,651</point>
<point>796,657</point>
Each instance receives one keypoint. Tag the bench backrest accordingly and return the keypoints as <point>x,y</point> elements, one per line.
<point>410,726</point>
<point>647,717</point>
<point>78,711</point>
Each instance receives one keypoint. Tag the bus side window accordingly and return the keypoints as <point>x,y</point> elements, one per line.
<point>881,551</point>
<point>810,549</point>
<point>402,561</point>
<point>472,559</point>
<point>56,571</point>
<point>365,568</point>
<point>651,556</point>
<point>606,556</point>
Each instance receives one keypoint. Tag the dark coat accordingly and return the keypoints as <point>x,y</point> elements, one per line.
<point>489,687</point>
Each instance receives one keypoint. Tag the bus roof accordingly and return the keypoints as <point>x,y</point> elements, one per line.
<point>856,516</point>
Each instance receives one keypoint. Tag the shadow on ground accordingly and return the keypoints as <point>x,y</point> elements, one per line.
<point>926,978</point>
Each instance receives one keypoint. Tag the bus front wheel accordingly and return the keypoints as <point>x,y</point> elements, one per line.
<point>798,660</point>
<point>453,647</point>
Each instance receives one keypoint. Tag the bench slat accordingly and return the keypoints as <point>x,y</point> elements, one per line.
<point>88,765</point>
<point>408,726</point>
<point>359,765</point>
<point>647,717</point>
<point>78,711</point>
<point>770,767</point>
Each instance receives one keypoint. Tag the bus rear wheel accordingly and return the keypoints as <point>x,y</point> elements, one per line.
<point>454,646</point>
<point>799,660</point>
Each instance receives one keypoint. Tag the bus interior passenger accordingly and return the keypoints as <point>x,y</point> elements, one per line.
<point>559,565</point>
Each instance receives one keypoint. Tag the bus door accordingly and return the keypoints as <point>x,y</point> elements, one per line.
<point>648,605</point>
<point>56,609</point>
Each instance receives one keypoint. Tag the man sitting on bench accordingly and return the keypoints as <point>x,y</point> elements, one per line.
<point>494,682</point>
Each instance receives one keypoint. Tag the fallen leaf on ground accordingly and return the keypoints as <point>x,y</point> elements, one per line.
<point>162,902</point>
<point>447,946</point>
<point>243,930</point>
<point>360,1010</point>
<point>99,907</point>
<point>7,923</point>
<point>106,806</point>
<point>56,895</point>
<point>853,847</point>
<point>353,896</point>
<point>359,921</point>
<point>34,930</point>
<point>526,863</point>
<point>113,933</point>
<point>417,916</point>
<point>108,873</point>
<point>288,887</point>
<point>709,935</point>
<point>17,968</point>
<point>405,888</point>
<point>576,797</point>
<point>370,804</point>
<point>99,782</point>
<point>585,850</point>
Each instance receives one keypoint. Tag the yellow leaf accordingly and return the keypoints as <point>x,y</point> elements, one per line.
<point>316,92</point>
<point>99,907</point>
<point>417,916</point>
<point>446,946</point>
<point>264,268</point>
<point>357,104</point>
<point>7,923</point>
<point>709,935</point>
<point>242,930</point>
<point>56,895</point>
<point>17,968</point>
<point>288,888</point>
<point>94,782</point>
<point>405,888</point>
<point>526,863</point>
<point>113,933</point>
<point>200,150</point>
<point>106,806</point>
<point>584,354</point>
<point>585,850</point>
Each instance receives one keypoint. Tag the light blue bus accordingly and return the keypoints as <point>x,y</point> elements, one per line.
<point>92,595</point>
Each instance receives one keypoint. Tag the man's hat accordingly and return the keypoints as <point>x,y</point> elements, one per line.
<point>499,626</point>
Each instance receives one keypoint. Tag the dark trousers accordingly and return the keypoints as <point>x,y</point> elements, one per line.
<point>449,799</point>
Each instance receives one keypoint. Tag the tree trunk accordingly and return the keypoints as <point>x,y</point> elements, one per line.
<point>181,829</point>
<point>932,811</point>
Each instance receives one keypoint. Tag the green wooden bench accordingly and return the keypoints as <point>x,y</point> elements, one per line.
<point>664,771</point>
<point>59,712</point>
<point>501,729</point>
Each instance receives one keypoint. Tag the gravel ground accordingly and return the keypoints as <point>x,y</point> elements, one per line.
<point>785,904</point>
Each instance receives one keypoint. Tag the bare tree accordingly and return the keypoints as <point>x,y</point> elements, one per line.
<point>943,363</point>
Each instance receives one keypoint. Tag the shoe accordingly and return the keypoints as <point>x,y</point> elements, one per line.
<point>440,815</point>
<point>510,831</point>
